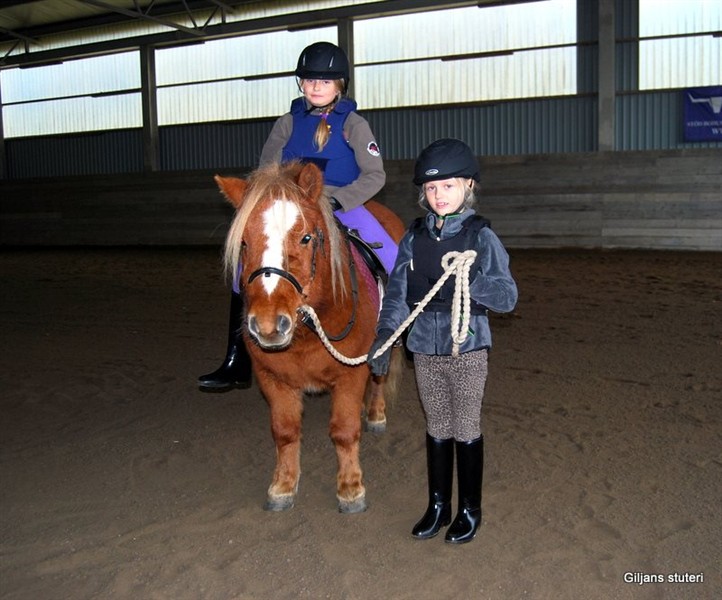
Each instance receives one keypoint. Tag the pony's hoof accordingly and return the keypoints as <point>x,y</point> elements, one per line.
<point>350,507</point>
<point>279,503</point>
<point>376,426</point>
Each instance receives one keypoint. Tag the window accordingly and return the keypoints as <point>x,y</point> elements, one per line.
<point>89,94</point>
<point>237,78</point>
<point>467,55</point>
<point>684,53</point>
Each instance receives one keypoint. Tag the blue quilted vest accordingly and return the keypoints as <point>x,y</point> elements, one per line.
<point>336,160</point>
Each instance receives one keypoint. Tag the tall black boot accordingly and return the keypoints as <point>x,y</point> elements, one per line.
<point>235,372</point>
<point>470,469</point>
<point>440,468</point>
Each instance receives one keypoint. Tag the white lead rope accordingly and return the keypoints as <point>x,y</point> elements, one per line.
<point>453,263</point>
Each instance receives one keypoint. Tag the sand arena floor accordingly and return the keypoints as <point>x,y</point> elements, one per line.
<point>119,479</point>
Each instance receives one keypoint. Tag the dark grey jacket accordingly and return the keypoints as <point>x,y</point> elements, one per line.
<point>492,285</point>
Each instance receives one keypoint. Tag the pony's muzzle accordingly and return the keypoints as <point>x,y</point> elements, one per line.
<point>271,333</point>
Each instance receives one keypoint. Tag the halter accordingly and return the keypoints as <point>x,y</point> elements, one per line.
<point>268,271</point>
<point>306,319</point>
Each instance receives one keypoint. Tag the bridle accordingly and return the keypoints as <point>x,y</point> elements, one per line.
<point>268,271</point>
<point>318,240</point>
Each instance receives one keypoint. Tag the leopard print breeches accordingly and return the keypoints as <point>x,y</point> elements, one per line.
<point>451,391</point>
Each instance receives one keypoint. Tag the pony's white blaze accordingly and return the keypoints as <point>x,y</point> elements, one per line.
<point>278,219</point>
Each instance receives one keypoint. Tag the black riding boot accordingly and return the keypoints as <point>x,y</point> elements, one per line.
<point>440,467</point>
<point>235,372</point>
<point>470,468</point>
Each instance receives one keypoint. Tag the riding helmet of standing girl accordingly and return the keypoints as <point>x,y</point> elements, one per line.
<point>322,127</point>
<point>451,388</point>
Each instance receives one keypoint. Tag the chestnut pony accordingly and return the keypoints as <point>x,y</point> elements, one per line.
<point>293,254</point>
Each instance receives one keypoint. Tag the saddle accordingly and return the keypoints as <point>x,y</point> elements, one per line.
<point>369,256</point>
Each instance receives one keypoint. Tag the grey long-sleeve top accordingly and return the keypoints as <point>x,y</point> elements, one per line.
<point>361,140</point>
<point>492,285</point>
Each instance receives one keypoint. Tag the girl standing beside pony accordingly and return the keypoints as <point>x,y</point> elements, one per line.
<point>451,388</point>
<point>322,127</point>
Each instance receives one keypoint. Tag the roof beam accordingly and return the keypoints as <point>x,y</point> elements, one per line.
<point>312,18</point>
<point>18,36</point>
<point>139,14</point>
<point>111,18</point>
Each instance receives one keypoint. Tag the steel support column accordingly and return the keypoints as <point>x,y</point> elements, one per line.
<point>151,159</point>
<point>607,76</point>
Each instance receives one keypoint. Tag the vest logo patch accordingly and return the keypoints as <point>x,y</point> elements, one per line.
<point>373,149</point>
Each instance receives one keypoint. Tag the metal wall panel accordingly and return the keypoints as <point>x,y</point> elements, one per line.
<point>645,121</point>
<point>118,151</point>
<point>626,15</point>
<point>526,127</point>
<point>226,145</point>
<point>530,127</point>
<point>653,121</point>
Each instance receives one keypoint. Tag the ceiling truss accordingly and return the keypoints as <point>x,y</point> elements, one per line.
<point>29,22</point>
<point>194,24</point>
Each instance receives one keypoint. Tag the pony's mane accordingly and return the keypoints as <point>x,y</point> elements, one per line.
<point>278,181</point>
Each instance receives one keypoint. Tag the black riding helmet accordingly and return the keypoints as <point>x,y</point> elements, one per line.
<point>323,60</point>
<point>444,159</point>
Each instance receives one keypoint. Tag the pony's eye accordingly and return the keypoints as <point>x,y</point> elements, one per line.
<point>306,238</point>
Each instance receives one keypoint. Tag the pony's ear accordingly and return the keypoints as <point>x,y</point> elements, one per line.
<point>310,179</point>
<point>232,188</point>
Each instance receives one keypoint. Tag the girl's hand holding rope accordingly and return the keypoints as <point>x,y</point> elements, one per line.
<point>379,357</point>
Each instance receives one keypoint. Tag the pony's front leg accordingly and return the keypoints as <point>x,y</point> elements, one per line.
<point>286,413</point>
<point>345,431</point>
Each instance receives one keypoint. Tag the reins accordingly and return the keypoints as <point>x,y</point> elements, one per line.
<point>453,263</point>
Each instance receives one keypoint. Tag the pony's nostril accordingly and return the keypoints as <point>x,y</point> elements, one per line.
<point>283,324</point>
<point>253,326</point>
